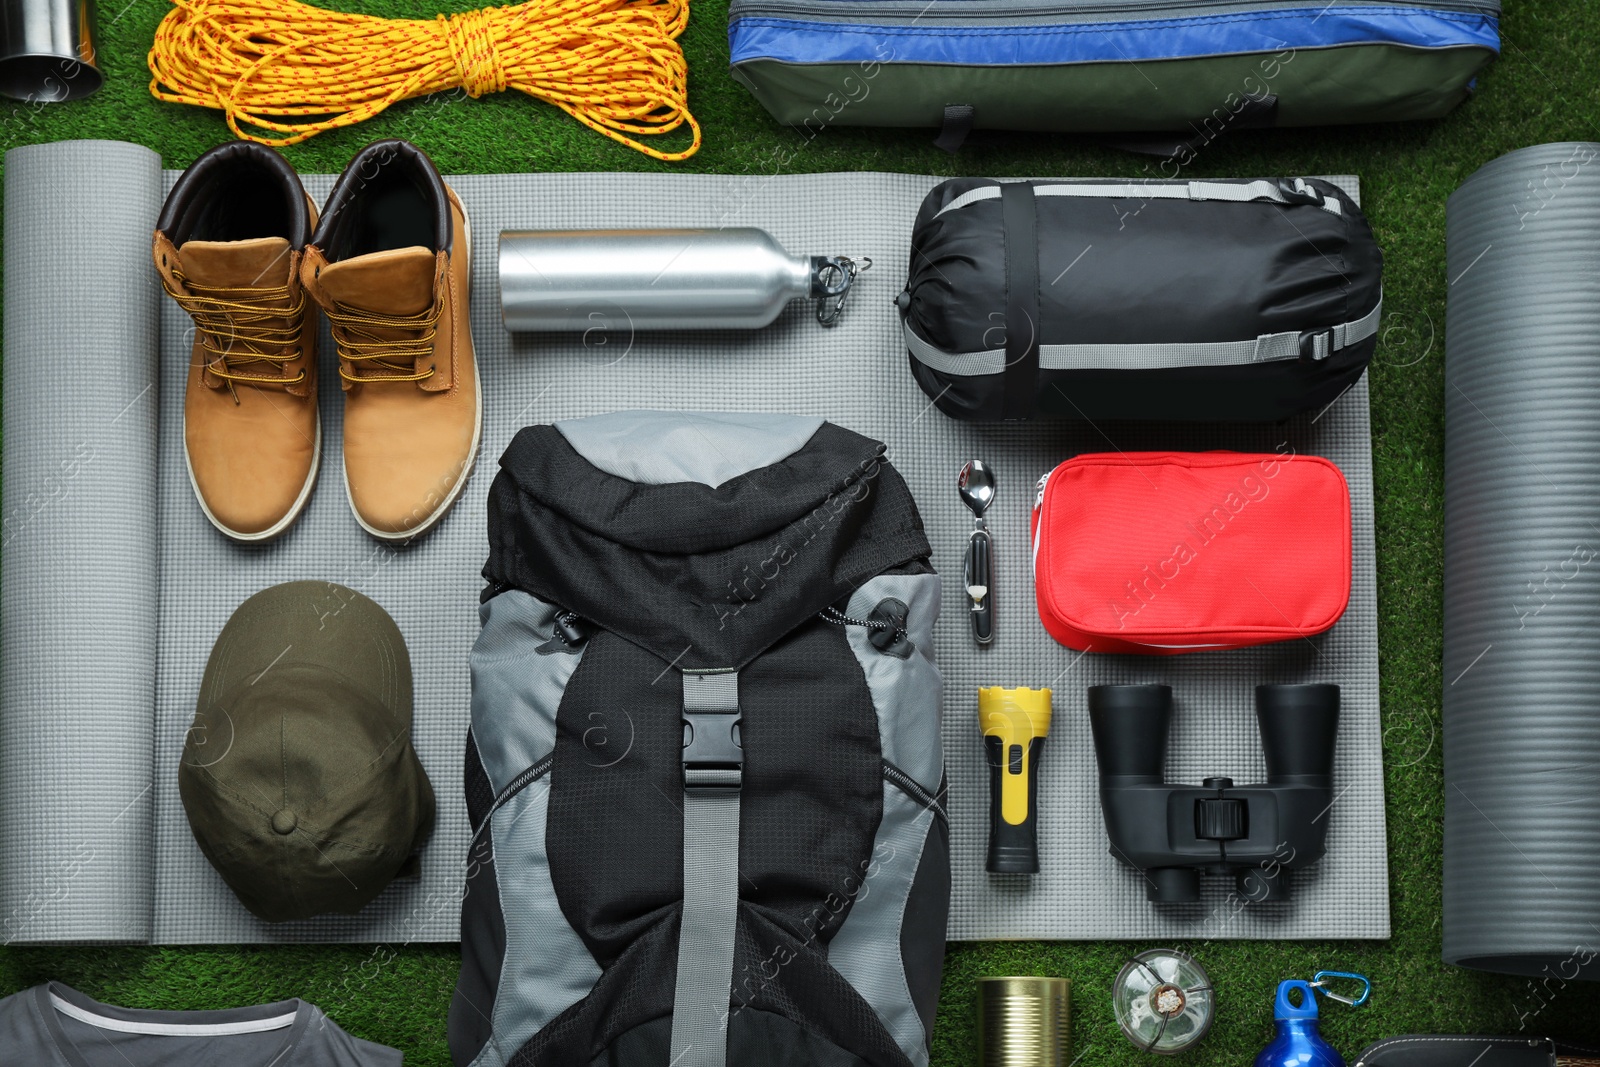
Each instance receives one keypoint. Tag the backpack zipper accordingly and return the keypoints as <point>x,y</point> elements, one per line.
<point>913,789</point>
<point>519,783</point>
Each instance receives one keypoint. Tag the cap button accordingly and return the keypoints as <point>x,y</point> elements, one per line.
<point>284,821</point>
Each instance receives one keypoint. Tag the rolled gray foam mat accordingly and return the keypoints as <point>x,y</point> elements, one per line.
<point>78,596</point>
<point>109,621</point>
<point>1522,566</point>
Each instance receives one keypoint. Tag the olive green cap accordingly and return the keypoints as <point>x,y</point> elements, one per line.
<point>298,775</point>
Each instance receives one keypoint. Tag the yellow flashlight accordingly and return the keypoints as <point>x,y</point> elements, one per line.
<point>1014,723</point>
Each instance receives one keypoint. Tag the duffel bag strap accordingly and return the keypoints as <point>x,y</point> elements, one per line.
<point>1019,216</point>
<point>957,124</point>
<point>713,773</point>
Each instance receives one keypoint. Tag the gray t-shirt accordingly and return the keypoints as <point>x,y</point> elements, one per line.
<point>53,1026</point>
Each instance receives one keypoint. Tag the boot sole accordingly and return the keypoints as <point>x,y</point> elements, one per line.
<point>414,532</point>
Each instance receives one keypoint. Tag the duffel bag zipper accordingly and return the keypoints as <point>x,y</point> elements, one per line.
<point>1013,12</point>
<point>519,783</point>
<point>913,789</point>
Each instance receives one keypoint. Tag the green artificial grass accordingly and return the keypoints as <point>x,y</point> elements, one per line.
<point>1543,88</point>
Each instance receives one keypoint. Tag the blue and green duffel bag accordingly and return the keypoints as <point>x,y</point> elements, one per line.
<point>1195,66</point>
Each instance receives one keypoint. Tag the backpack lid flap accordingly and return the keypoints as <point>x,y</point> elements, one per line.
<point>704,576</point>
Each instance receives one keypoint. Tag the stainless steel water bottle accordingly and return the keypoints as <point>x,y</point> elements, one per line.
<point>47,50</point>
<point>736,278</point>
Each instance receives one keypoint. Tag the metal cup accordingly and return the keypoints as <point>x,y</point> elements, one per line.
<point>1024,1022</point>
<point>47,50</point>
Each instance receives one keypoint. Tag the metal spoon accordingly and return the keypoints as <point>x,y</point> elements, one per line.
<point>977,485</point>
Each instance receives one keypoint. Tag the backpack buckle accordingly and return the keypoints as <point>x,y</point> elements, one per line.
<point>1316,345</point>
<point>713,757</point>
<point>1299,191</point>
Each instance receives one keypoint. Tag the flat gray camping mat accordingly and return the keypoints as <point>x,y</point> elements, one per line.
<point>854,374</point>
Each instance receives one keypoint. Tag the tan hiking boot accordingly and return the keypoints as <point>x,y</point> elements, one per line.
<point>390,266</point>
<point>228,246</point>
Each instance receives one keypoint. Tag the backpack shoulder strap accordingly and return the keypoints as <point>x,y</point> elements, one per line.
<point>713,773</point>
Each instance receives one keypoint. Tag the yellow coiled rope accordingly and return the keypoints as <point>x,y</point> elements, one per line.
<point>614,65</point>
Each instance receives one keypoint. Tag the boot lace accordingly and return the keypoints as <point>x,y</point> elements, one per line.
<point>367,339</point>
<point>239,326</point>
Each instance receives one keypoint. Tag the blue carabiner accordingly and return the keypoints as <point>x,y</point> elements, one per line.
<point>1319,982</point>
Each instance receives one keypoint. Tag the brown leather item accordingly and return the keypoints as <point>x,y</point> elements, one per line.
<point>390,266</point>
<point>228,247</point>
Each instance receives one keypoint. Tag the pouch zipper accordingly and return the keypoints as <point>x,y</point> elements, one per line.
<point>913,789</point>
<point>1012,12</point>
<point>1038,522</point>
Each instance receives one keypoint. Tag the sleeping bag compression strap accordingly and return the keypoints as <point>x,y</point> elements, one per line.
<point>1269,347</point>
<point>1277,191</point>
<point>1019,217</point>
<point>713,772</point>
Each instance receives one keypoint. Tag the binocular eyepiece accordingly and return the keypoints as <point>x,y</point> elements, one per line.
<point>1257,833</point>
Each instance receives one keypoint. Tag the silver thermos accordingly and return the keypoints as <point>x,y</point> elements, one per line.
<point>737,278</point>
<point>47,50</point>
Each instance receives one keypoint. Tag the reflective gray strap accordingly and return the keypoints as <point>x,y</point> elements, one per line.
<point>712,776</point>
<point>960,364</point>
<point>1236,192</point>
<point>1350,333</point>
<point>1266,348</point>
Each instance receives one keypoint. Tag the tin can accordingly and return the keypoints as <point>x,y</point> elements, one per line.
<point>1024,1022</point>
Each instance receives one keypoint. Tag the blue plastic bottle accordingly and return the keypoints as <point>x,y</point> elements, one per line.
<point>1299,1043</point>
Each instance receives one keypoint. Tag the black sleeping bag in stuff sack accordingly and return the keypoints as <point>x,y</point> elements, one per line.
<point>1168,300</point>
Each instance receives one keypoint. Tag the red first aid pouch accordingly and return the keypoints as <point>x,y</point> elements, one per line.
<point>1167,552</point>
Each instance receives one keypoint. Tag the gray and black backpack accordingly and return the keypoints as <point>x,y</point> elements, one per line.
<point>704,771</point>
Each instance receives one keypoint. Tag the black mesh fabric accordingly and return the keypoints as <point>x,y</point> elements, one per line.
<point>614,833</point>
<point>773,971</point>
<point>811,803</point>
<point>483,950</point>
<point>760,1038</point>
<point>634,988</point>
<point>480,791</point>
<point>774,975</point>
<point>922,927</point>
<point>813,796</point>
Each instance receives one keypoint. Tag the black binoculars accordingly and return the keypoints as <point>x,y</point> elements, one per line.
<point>1257,833</point>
